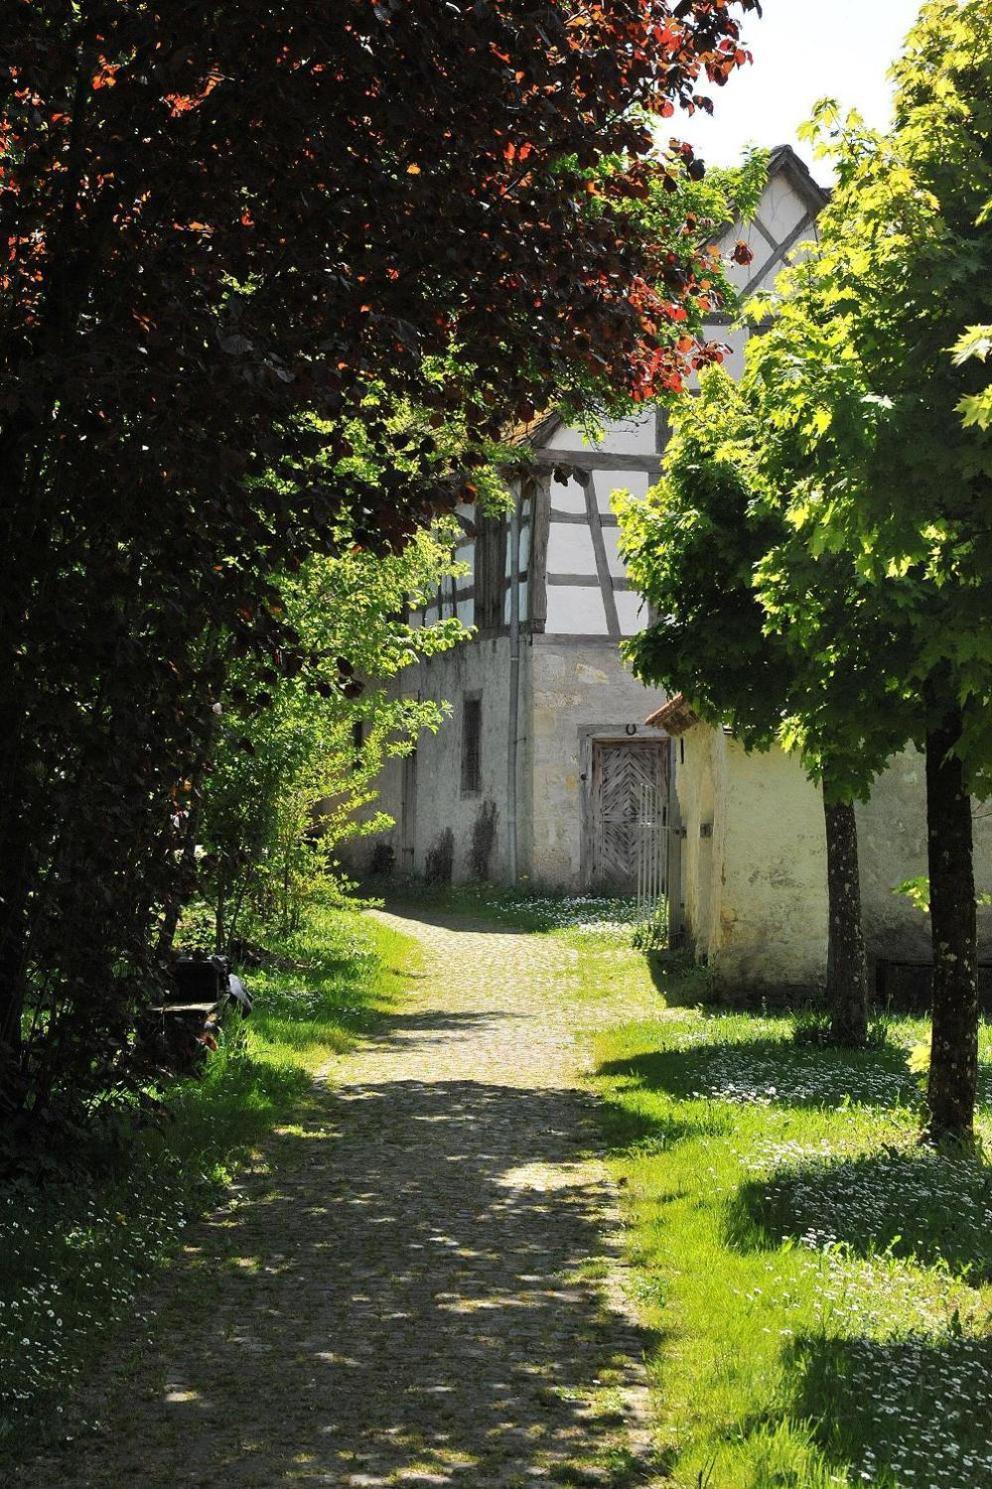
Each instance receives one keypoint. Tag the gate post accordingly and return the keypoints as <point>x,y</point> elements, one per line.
<point>676,903</point>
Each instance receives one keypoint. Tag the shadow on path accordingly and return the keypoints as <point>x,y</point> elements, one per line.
<point>410,1295</point>
<point>460,921</point>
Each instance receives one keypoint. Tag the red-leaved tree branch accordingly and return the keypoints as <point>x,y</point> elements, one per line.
<point>220,227</point>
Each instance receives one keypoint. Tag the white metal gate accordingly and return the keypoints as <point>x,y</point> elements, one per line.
<point>651,841</point>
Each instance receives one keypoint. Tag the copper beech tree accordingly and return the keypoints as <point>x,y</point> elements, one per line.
<point>222,227</point>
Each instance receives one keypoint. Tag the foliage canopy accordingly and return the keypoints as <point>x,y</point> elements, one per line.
<point>225,229</point>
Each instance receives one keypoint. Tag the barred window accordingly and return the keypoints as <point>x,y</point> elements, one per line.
<point>472,745</point>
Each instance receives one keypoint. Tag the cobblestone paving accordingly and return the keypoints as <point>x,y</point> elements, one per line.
<point>421,1286</point>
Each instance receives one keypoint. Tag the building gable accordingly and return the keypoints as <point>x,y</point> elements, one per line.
<point>572,580</point>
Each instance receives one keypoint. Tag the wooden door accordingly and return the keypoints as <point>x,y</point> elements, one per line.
<point>621,769</point>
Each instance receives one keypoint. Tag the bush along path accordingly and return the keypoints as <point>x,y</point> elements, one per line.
<point>418,1283</point>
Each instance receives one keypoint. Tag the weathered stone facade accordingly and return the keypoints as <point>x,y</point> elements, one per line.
<point>577,705</point>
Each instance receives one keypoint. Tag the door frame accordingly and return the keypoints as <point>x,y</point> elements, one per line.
<point>623,734</point>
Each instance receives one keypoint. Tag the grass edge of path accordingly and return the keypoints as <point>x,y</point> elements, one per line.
<point>82,1258</point>
<point>784,1357</point>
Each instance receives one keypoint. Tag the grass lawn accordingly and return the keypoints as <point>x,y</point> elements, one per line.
<point>78,1256</point>
<point>819,1285</point>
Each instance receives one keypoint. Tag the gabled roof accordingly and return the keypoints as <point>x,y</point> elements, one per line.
<point>783,160</point>
<point>541,428</point>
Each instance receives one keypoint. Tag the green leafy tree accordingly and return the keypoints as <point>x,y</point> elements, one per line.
<point>868,403</point>
<point>975,344</point>
<point>222,227</point>
<point>714,524</point>
<point>296,759</point>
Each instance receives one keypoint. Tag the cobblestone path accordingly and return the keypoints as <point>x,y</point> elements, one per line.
<point>420,1287</point>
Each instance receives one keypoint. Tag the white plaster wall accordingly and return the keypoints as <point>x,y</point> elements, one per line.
<point>634,435</point>
<point>781,210</point>
<point>632,611</point>
<point>735,339</point>
<point>524,602</point>
<point>754,864</point>
<point>756,896</point>
<point>699,769</point>
<point>477,667</point>
<point>606,482</point>
<point>611,542</point>
<point>772,928</point>
<point>576,688</point>
<point>567,496</point>
<point>740,274</point>
<point>355,856</point>
<point>570,549</point>
<point>576,611</point>
<point>892,847</point>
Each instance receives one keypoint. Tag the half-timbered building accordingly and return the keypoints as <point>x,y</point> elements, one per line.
<point>544,765</point>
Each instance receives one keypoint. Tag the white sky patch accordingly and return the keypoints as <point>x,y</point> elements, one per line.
<point>803,51</point>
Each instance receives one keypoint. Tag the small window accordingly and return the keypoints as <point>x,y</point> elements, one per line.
<point>472,746</point>
<point>490,571</point>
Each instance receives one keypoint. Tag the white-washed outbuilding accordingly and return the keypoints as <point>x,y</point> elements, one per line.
<point>754,870</point>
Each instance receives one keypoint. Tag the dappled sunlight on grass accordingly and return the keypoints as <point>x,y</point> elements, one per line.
<point>770,1071</point>
<point>918,1204</point>
<point>819,1282</point>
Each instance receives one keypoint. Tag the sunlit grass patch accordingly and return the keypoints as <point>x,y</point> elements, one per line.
<point>818,1282</point>
<point>610,920</point>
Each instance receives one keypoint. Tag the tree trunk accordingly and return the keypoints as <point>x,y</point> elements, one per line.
<point>169,924</point>
<point>12,987</point>
<point>954,1050</point>
<point>847,965</point>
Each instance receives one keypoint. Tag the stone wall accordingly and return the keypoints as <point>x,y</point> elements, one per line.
<point>479,669</point>
<point>571,692</point>
<point>581,691</point>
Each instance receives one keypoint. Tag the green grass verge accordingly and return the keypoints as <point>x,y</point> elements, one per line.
<point>527,908</point>
<point>819,1284</point>
<point>78,1256</point>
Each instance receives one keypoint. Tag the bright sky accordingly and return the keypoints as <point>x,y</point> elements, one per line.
<point>803,50</point>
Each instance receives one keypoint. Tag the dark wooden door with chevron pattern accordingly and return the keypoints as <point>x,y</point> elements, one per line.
<point>621,770</point>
